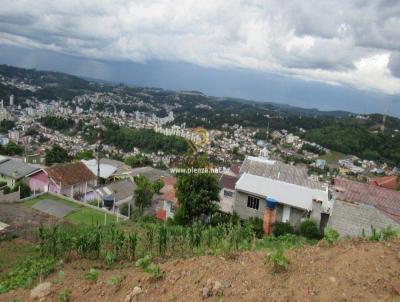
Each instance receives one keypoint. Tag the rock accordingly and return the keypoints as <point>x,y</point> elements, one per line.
<point>332,279</point>
<point>41,291</point>
<point>206,292</point>
<point>131,297</point>
<point>217,289</point>
<point>209,282</point>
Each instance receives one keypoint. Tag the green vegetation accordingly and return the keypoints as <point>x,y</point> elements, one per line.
<point>313,149</point>
<point>56,155</point>
<point>25,272</point>
<point>387,233</point>
<point>310,230</point>
<point>84,154</point>
<point>358,140</point>
<point>145,191</point>
<point>145,139</point>
<point>11,149</point>
<point>6,125</point>
<point>138,161</point>
<point>282,228</point>
<point>152,269</point>
<point>277,257</point>
<point>331,235</point>
<point>81,215</point>
<point>64,295</point>
<point>92,275</point>
<point>57,123</point>
<point>196,192</point>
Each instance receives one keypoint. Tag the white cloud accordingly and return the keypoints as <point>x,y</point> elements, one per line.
<point>337,42</point>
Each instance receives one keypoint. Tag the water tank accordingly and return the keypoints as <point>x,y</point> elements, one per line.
<point>108,201</point>
<point>271,202</point>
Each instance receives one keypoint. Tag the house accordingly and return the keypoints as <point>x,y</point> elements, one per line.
<point>120,191</point>
<point>39,181</point>
<point>227,184</point>
<point>12,171</point>
<point>388,182</point>
<point>360,206</point>
<point>105,170</point>
<point>274,191</point>
<point>166,204</point>
<point>72,179</point>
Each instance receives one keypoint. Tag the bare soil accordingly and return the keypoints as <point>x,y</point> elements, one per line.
<point>22,220</point>
<point>348,271</point>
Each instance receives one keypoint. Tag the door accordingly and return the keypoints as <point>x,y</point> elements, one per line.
<point>286,213</point>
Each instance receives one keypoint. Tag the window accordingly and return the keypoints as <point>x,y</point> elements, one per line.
<point>253,202</point>
<point>228,193</point>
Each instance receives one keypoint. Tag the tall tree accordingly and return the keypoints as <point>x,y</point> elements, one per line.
<point>145,191</point>
<point>56,155</point>
<point>196,192</point>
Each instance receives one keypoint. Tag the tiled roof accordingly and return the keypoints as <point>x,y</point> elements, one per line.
<point>279,171</point>
<point>70,174</point>
<point>388,201</point>
<point>388,182</point>
<point>227,181</point>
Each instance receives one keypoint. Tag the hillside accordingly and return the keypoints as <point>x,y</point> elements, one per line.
<point>348,271</point>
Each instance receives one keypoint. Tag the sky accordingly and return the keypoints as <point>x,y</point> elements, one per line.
<point>331,55</point>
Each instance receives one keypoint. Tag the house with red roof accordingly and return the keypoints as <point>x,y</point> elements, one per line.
<point>388,182</point>
<point>359,207</point>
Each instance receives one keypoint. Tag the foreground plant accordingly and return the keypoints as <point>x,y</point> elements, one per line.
<point>92,275</point>
<point>152,269</point>
<point>278,259</point>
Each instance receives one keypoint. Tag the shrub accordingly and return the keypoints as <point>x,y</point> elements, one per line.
<point>282,228</point>
<point>277,257</point>
<point>256,226</point>
<point>389,233</point>
<point>309,229</point>
<point>92,275</point>
<point>152,269</point>
<point>331,235</point>
<point>115,280</point>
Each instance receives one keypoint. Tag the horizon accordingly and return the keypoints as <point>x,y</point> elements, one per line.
<point>265,52</point>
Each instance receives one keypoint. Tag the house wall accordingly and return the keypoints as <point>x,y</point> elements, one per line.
<point>77,188</point>
<point>244,212</point>
<point>38,183</point>
<point>10,181</point>
<point>351,219</point>
<point>226,202</point>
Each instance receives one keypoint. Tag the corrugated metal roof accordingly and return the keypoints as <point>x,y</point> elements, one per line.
<point>279,171</point>
<point>284,192</point>
<point>386,200</point>
<point>16,169</point>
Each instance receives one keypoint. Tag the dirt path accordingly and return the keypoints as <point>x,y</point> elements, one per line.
<point>349,271</point>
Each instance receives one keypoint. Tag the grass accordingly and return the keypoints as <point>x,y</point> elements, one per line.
<point>13,252</point>
<point>332,157</point>
<point>80,214</point>
<point>88,216</point>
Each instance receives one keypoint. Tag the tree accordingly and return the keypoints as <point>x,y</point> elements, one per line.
<point>11,149</point>
<point>84,154</point>
<point>145,190</point>
<point>56,155</point>
<point>196,192</point>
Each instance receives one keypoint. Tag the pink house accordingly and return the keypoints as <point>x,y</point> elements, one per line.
<point>40,182</point>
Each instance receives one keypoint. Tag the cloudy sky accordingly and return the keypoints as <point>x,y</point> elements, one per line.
<point>340,50</point>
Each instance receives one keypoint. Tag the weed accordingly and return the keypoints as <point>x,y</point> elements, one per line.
<point>92,275</point>
<point>277,257</point>
<point>110,258</point>
<point>64,295</point>
<point>115,280</point>
<point>331,235</point>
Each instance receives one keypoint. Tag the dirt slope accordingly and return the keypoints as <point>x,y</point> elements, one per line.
<point>349,271</point>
